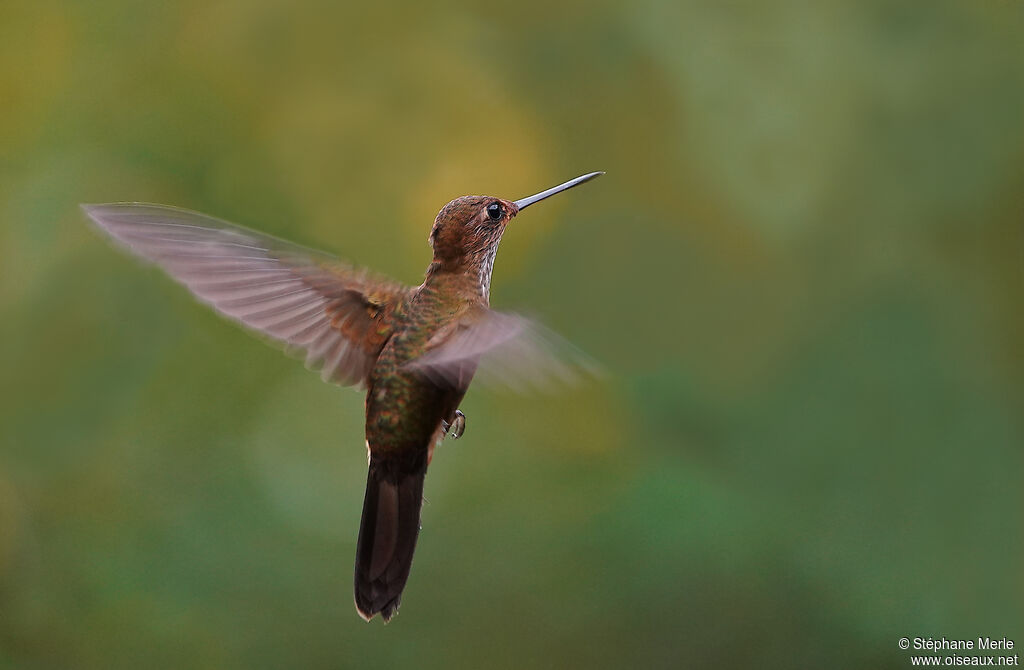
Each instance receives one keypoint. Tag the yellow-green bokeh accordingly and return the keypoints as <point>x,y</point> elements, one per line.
<point>803,273</point>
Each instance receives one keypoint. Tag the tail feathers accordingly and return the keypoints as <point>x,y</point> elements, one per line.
<point>387,535</point>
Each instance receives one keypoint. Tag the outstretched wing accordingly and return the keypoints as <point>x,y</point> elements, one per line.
<point>501,349</point>
<point>307,300</point>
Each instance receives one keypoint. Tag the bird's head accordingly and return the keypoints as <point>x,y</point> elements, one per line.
<point>467,230</point>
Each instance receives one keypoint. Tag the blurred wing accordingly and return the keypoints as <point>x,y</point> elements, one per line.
<point>502,349</point>
<point>302,298</point>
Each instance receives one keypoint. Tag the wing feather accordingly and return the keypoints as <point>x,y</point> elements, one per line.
<point>304,299</point>
<point>502,349</point>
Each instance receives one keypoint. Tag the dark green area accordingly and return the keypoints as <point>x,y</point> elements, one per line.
<point>803,272</point>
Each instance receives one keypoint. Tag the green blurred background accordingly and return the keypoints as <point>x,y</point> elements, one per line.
<point>804,273</point>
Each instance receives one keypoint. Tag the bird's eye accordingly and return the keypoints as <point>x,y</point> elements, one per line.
<point>494,211</point>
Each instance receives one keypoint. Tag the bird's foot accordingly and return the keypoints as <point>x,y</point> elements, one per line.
<point>457,427</point>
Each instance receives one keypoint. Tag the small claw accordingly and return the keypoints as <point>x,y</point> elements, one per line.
<point>458,425</point>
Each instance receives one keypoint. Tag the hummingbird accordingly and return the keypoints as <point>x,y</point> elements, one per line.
<point>414,350</point>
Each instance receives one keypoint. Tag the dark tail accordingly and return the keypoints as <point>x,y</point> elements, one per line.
<point>387,533</point>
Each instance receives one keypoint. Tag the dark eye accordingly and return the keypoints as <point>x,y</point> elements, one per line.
<point>494,211</point>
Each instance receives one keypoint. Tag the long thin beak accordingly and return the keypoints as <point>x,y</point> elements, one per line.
<point>526,202</point>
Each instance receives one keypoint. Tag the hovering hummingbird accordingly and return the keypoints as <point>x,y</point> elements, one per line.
<point>413,349</point>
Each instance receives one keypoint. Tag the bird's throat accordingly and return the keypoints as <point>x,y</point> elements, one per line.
<point>470,278</point>
<point>484,272</point>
